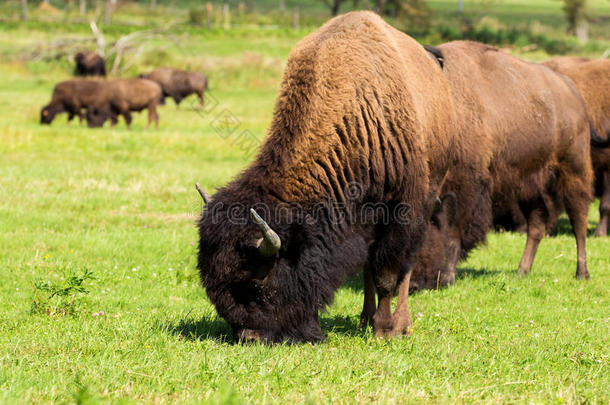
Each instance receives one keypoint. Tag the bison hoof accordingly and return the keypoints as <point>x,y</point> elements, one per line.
<point>392,333</point>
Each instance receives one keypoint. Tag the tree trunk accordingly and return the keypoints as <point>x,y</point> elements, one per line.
<point>109,9</point>
<point>209,14</point>
<point>460,6</point>
<point>295,18</point>
<point>226,16</point>
<point>153,4</point>
<point>335,7</point>
<point>83,7</point>
<point>380,7</point>
<point>24,10</point>
<point>582,31</point>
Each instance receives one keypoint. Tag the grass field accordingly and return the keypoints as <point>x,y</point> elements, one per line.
<point>121,204</point>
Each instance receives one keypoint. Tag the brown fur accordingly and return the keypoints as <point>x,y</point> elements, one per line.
<point>592,78</point>
<point>71,96</point>
<point>562,63</point>
<point>121,96</point>
<point>179,84</point>
<point>360,103</point>
<point>89,64</point>
<point>528,127</point>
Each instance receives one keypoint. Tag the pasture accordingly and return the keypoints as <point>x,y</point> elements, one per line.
<point>121,204</point>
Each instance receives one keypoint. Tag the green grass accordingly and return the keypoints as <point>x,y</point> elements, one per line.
<point>122,204</point>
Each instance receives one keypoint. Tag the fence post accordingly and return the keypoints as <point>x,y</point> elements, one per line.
<point>295,18</point>
<point>108,14</point>
<point>24,10</point>
<point>209,7</point>
<point>226,16</point>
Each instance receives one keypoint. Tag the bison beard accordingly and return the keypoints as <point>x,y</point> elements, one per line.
<point>360,103</point>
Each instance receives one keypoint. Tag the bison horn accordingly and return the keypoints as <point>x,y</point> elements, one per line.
<point>270,243</point>
<point>205,196</point>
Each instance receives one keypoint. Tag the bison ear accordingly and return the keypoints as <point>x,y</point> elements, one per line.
<point>270,243</point>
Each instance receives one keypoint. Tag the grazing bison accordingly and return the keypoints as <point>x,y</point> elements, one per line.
<point>89,64</point>
<point>178,84</point>
<point>592,78</point>
<point>121,96</point>
<point>361,140</point>
<point>71,96</point>
<point>529,126</point>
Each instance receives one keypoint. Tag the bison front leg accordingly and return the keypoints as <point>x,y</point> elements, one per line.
<point>604,207</point>
<point>368,309</point>
<point>402,316</point>
<point>383,322</point>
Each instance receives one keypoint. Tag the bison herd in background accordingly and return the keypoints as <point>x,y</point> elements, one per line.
<point>98,100</point>
<point>461,138</point>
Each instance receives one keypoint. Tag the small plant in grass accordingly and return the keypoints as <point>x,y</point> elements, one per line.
<point>60,298</point>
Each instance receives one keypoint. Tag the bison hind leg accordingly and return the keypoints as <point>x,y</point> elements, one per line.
<point>604,207</point>
<point>536,216</point>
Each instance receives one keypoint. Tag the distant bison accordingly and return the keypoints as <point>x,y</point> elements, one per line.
<point>178,84</point>
<point>89,64</point>
<point>71,97</point>
<point>121,96</point>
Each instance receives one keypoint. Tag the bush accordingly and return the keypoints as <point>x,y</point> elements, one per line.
<point>197,16</point>
<point>60,298</point>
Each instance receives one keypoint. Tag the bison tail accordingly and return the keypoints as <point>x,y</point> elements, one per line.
<point>597,140</point>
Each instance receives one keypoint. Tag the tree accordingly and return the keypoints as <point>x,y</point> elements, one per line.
<point>24,10</point>
<point>575,14</point>
<point>333,5</point>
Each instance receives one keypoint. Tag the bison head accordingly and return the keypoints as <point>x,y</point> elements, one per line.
<point>437,260</point>
<point>47,115</point>
<point>268,282</point>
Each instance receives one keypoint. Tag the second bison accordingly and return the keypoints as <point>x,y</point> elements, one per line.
<point>122,96</point>
<point>178,84</point>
